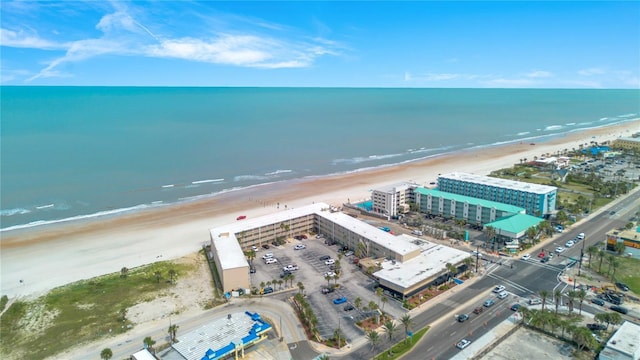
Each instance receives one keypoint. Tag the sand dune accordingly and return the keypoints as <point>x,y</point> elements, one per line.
<point>49,256</point>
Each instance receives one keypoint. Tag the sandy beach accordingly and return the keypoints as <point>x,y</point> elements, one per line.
<point>37,259</point>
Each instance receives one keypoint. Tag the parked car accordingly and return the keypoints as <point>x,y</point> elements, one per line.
<point>535,301</point>
<point>581,236</point>
<point>515,307</point>
<point>498,289</point>
<point>325,257</point>
<point>284,273</point>
<point>463,344</point>
<point>267,256</point>
<point>330,274</point>
<point>265,246</point>
<point>526,257</point>
<point>596,327</point>
<point>463,317</point>
<point>622,286</point>
<point>330,262</point>
<point>597,301</point>
<point>348,307</point>
<point>620,309</point>
<point>241,217</point>
<point>348,253</point>
<point>271,261</point>
<point>254,248</point>
<point>252,270</point>
<point>340,300</point>
<point>290,267</point>
<point>268,290</point>
<point>300,247</point>
<point>328,290</point>
<point>476,253</point>
<point>503,295</point>
<point>541,255</point>
<point>489,303</point>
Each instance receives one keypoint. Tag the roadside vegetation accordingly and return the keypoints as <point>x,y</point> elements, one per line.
<point>402,347</point>
<point>83,311</point>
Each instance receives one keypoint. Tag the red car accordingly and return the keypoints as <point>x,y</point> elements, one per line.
<point>241,217</point>
<point>541,255</point>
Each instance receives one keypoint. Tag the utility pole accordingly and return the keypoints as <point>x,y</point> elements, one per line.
<point>477,257</point>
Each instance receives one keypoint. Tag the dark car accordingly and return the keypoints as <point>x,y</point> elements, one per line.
<point>252,270</point>
<point>328,290</point>
<point>596,327</point>
<point>515,307</point>
<point>325,257</point>
<point>268,290</point>
<point>463,317</point>
<point>478,310</point>
<point>544,259</point>
<point>348,307</point>
<point>620,309</point>
<point>622,286</point>
<point>265,246</point>
<point>598,302</point>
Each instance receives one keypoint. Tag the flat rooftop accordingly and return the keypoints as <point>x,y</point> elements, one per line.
<point>501,183</point>
<point>470,200</point>
<point>225,235</point>
<point>391,188</point>
<point>625,340</point>
<point>217,337</point>
<point>431,261</point>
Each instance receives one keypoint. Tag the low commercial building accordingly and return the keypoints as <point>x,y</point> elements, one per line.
<point>394,199</point>
<point>453,206</point>
<point>624,344</point>
<point>628,143</point>
<point>223,338</point>
<point>511,230</point>
<point>143,354</point>
<point>404,279</point>
<point>537,200</point>
<point>630,238</point>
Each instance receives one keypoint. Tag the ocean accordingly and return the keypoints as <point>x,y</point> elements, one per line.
<point>77,152</point>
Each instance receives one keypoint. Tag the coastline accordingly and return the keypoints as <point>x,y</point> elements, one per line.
<point>75,250</point>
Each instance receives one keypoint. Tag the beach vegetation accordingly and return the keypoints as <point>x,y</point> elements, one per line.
<point>80,312</point>
<point>3,302</point>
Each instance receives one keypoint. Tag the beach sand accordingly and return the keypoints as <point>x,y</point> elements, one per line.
<point>37,259</point>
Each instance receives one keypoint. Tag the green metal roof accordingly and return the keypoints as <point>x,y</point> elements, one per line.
<point>515,223</point>
<point>471,200</point>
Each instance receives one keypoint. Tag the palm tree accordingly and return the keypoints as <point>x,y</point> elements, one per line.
<point>452,269</point>
<point>148,343</point>
<point>173,329</point>
<point>384,301</point>
<point>531,233</point>
<point>582,336</point>
<point>106,354</point>
<point>328,278</point>
<point>357,302</point>
<point>300,286</point>
<point>592,250</point>
<point>581,296</point>
<point>172,276</point>
<point>601,255</point>
<point>389,328</point>
<point>490,233</point>
<point>379,292</point>
<point>124,272</point>
<point>336,335</point>
<point>572,295</point>
<point>557,296</point>
<point>614,266</point>
<point>250,256</point>
<point>615,318</point>
<point>323,357</point>
<point>544,294</point>
<point>602,318</point>
<point>406,322</point>
<point>468,261</point>
<point>373,338</point>
<point>610,259</point>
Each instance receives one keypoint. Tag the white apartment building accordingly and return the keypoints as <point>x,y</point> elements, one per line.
<point>394,199</point>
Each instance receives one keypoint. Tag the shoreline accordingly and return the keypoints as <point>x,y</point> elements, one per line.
<point>75,250</point>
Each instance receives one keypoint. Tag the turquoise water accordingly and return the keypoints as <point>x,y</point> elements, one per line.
<point>77,151</point>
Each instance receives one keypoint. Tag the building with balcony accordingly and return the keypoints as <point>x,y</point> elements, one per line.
<point>394,199</point>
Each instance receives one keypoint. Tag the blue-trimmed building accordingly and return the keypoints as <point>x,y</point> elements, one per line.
<point>453,206</point>
<point>537,200</point>
<point>223,338</point>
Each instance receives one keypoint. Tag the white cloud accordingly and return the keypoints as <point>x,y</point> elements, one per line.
<point>21,39</point>
<point>591,71</point>
<point>539,74</point>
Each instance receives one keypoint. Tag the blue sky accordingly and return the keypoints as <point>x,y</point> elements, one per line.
<point>327,44</point>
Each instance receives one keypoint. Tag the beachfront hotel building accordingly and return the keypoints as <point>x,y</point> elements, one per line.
<point>537,200</point>
<point>453,206</point>
<point>628,143</point>
<point>394,199</point>
<point>367,241</point>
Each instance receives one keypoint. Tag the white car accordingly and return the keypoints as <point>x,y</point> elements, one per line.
<point>254,248</point>
<point>267,256</point>
<point>498,289</point>
<point>526,257</point>
<point>330,262</point>
<point>300,247</point>
<point>476,253</point>
<point>559,249</point>
<point>290,267</point>
<point>330,274</point>
<point>503,295</point>
<point>463,344</point>
<point>271,261</point>
<point>569,244</point>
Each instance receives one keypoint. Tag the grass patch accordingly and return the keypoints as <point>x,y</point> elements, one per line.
<point>628,272</point>
<point>3,302</point>
<point>81,312</point>
<point>402,347</point>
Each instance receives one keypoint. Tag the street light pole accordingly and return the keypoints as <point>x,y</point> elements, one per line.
<point>477,257</point>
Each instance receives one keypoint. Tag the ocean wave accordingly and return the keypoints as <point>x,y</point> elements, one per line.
<point>16,211</point>
<point>523,133</point>
<point>627,115</point>
<point>206,181</point>
<point>249,178</point>
<point>278,172</point>
<point>168,186</point>
<point>78,217</point>
<point>553,127</point>
<point>570,124</point>
<point>361,159</point>
<point>42,207</point>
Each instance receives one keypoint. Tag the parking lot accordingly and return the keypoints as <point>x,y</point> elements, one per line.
<point>311,272</point>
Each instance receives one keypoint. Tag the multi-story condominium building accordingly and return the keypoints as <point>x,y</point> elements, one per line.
<point>453,206</point>
<point>393,199</point>
<point>538,200</point>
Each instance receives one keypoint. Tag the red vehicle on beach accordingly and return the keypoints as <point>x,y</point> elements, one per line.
<point>241,217</point>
